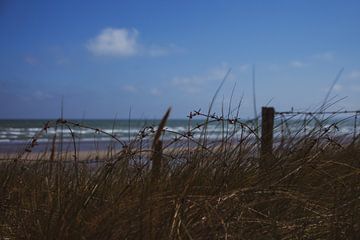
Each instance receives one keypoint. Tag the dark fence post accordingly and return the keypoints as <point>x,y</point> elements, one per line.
<point>267,127</point>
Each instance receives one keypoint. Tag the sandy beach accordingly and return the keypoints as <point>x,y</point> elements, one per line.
<point>66,156</point>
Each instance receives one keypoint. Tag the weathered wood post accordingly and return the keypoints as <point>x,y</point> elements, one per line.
<point>267,127</point>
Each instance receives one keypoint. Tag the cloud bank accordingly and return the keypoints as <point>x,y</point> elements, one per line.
<point>122,42</point>
<point>196,83</point>
<point>325,56</point>
<point>114,42</point>
<point>297,64</point>
<point>354,75</point>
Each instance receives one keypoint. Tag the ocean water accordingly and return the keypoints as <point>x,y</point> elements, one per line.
<point>23,130</point>
<point>14,134</point>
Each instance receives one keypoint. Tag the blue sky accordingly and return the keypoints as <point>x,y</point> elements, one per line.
<point>107,57</point>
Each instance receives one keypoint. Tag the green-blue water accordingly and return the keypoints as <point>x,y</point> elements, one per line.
<point>15,132</point>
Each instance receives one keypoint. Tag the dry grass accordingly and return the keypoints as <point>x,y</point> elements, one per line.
<point>203,191</point>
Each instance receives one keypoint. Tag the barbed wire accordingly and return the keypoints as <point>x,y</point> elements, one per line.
<point>316,113</point>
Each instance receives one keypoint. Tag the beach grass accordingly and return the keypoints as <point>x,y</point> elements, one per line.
<point>187,188</point>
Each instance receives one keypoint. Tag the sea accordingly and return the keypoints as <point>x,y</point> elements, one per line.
<point>91,134</point>
<point>98,134</point>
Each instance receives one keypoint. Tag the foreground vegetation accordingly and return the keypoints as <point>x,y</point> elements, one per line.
<point>309,188</point>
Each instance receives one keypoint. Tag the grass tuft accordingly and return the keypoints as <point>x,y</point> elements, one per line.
<point>213,189</point>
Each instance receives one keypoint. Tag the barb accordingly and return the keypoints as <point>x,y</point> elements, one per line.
<point>315,113</point>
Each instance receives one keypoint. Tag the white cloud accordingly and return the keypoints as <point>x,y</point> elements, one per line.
<point>188,84</point>
<point>40,95</point>
<point>218,73</point>
<point>355,88</point>
<point>122,42</point>
<point>297,64</point>
<point>194,84</point>
<point>114,42</point>
<point>129,88</point>
<point>244,67</point>
<point>325,56</point>
<point>62,61</point>
<point>31,60</point>
<point>155,92</point>
<point>354,75</point>
<point>338,87</point>
<point>274,67</point>
<point>158,51</point>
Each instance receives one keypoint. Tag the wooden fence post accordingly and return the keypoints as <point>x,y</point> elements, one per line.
<point>267,127</point>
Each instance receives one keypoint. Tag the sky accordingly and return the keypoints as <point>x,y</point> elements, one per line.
<point>137,58</point>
